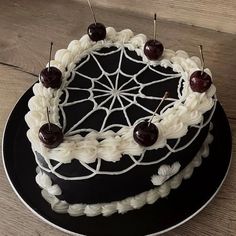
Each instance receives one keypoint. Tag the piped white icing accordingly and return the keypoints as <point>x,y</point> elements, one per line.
<point>45,182</point>
<point>174,122</point>
<point>165,172</point>
<point>130,203</point>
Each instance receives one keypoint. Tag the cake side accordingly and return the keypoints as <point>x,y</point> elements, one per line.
<point>51,191</point>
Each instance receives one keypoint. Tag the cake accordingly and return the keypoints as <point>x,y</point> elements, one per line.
<point>108,88</point>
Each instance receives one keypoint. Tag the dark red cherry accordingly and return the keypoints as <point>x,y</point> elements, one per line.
<point>51,78</point>
<point>50,135</point>
<point>200,81</point>
<point>145,133</point>
<point>153,49</point>
<point>96,31</point>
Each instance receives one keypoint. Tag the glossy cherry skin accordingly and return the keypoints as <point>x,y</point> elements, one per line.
<point>96,31</point>
<point>153,49</point>
<point>50,135</point>
<point>145,134</point>
<point>200,81</point>
<point>51,78</point>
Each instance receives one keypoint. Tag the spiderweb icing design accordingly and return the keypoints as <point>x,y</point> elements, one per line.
<point>102,90</point>
<point>116,92</point>
<point>90,144</point>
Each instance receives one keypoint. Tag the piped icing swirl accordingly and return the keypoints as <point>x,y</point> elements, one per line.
<point>173,123</point>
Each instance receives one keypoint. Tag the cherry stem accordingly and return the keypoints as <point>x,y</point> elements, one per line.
<point>162,100</point>
<point>202,58</point>
<point>91,8</point>
<point>49,123</point>
<point>50,56</point>
<point>155,26</point>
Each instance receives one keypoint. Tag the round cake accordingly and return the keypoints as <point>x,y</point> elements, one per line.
<point>108,88</point>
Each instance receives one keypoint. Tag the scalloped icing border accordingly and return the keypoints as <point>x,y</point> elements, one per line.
<point>173,123</point>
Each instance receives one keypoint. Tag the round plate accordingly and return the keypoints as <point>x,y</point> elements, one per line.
<point>182,204</point>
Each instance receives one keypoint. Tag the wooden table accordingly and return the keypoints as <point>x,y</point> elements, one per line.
<point>27,27</point>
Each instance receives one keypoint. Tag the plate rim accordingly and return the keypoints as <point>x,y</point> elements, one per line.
<point>77,234</point>
<point>43,219</point>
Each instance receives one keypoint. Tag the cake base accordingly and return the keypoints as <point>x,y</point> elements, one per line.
<point>167,213</point>
<point>130,203</point>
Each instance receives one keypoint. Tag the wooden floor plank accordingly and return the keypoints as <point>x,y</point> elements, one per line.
<point>217,15</point>
<point>26,31</point>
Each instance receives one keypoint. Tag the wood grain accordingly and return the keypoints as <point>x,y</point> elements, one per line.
<point>26,32</point>
<point>217,15</point>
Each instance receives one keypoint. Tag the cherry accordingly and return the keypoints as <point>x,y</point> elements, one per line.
<point>51,77</point>
<point>145,133</point>
<point>153,49</point>
<point>50,135</point>
<point>200,81</point>
<point>96,31</point>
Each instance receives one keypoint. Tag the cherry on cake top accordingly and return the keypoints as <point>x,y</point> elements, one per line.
<point>51,77</point>
<point>50,134</point>
<point>96,31</point>
<point>146,133</point>
<point>200,81</point>
<point>153,49</point>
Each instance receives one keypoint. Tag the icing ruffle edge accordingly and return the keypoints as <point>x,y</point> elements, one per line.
<point>173,123</point>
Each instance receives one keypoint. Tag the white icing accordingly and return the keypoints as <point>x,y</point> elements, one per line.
<point>165,172</point>
<point>45,182</point>
<point>152,196</point>
<point>130,203</point>
<point>76,209</point>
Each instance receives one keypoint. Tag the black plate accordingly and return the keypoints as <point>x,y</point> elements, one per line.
<point>182,204</point>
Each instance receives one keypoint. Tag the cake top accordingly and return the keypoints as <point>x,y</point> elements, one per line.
<point>113,89</point>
